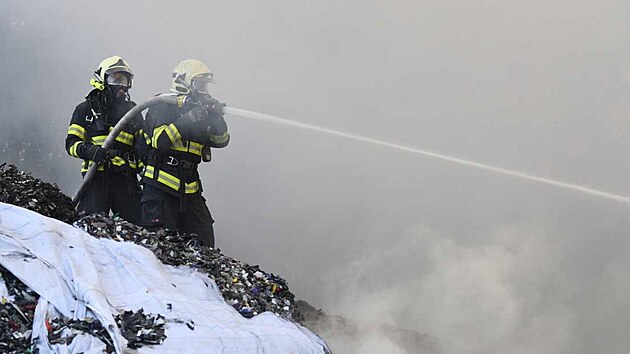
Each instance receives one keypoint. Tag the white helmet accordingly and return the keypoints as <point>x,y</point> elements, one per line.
<point>189,72</point>
<point>114,64</point>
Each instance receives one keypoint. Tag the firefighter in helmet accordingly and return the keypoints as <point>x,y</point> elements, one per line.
<point>180,137</point>
<point>115,186</point>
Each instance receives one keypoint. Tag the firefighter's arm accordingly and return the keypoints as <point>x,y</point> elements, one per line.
<point>76,140</point>
<point>219,136</point>
<point>76,134</point>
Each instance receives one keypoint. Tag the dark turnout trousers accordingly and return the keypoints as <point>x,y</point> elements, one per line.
<point>161,209</point>
<point>117,192</point>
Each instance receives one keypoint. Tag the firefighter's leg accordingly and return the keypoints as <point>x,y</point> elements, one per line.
<point>126,199</point>
<point>198,219</point>
<point>94,200</point>
<point>159,209</point>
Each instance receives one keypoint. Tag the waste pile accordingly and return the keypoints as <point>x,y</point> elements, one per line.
<point>137,327</point>
<point>16,323</point>
<point>16,315</point>
<point>246,288</point>
<point>21,189</point>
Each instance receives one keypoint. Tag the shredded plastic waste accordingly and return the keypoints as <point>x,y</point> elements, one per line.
<point>246,288</point>
<point>16,316</point>
<point>21,189</point>
<point>137,327</point>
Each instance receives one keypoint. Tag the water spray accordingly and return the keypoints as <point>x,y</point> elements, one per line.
<point>503,171</point>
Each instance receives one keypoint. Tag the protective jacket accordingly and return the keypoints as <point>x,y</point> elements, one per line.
<point>176,150</point>
<point>115,186</point>
<point>90,125</point>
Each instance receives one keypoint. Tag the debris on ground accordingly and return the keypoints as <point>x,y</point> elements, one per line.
<point>21,189</point>
<point>246,288</point>
<point>141,329</point>
<point>16,315</point>
<point>137,327</point>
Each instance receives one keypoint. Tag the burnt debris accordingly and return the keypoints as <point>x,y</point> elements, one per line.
<point>246,288</point>
<point>21,189</point>
<point>138,328</point>
<point>16,323</point>
<point>16,317</point>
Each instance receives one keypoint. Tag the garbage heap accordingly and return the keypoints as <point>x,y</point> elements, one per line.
<point>247,288</point>
<point>16,322</point>
<point>21,189</point>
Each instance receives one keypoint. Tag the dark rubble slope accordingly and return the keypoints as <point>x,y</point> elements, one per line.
<point>21,189</point>
<point>248,289</point>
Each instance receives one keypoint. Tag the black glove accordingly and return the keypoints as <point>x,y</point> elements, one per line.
<point>213,105</point>
<point>192,120</point>
<point>97,153</point>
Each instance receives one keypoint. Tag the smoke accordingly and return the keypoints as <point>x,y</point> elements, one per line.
<point>475,298</point>
<point>477,262</point>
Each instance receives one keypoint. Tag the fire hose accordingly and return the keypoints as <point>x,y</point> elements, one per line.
<point>166,98</point>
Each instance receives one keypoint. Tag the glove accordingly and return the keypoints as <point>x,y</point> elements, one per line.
<point>99,154</point>
<point>192,121</point>
<point>213,105</point>
<point>194,116</point>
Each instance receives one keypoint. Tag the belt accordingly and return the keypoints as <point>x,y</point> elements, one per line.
<point>182,164</point>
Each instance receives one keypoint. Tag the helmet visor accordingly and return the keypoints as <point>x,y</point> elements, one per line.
<point>201,84</point>
<point>119,79</point>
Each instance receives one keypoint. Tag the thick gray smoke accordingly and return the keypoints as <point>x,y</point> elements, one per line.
<point>483,263</point>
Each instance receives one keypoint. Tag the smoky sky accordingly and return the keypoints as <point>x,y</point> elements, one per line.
<point>482,262</point>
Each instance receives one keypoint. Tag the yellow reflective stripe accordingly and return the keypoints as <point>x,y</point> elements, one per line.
<point>170,180</point>
<point>220,139</point>
<point>195,148</point>
<point>164,178</point>
<point>84,169</point>
<point>179,148</point>
<point>98,140</point>
<point>156,135</point>
<point>173,134</point>
<point>125,138</point>
<point>73,149</point>
<point>118,161</point>
<point>180,101</point>
<point>192,187</point>
<point>76,130</point>
<point>147,138</point>
<point>148,172</point>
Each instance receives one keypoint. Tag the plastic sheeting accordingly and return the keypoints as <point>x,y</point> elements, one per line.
<point>77,275</point>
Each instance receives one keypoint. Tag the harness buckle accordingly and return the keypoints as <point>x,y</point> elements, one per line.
<point>172,161</point>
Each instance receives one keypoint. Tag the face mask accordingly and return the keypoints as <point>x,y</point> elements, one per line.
<point>119,79</point>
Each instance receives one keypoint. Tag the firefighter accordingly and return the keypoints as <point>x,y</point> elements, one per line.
<point>180,137</point>
<point>115,186</point>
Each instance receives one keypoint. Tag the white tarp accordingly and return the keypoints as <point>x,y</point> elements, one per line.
<point>78,275</point>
